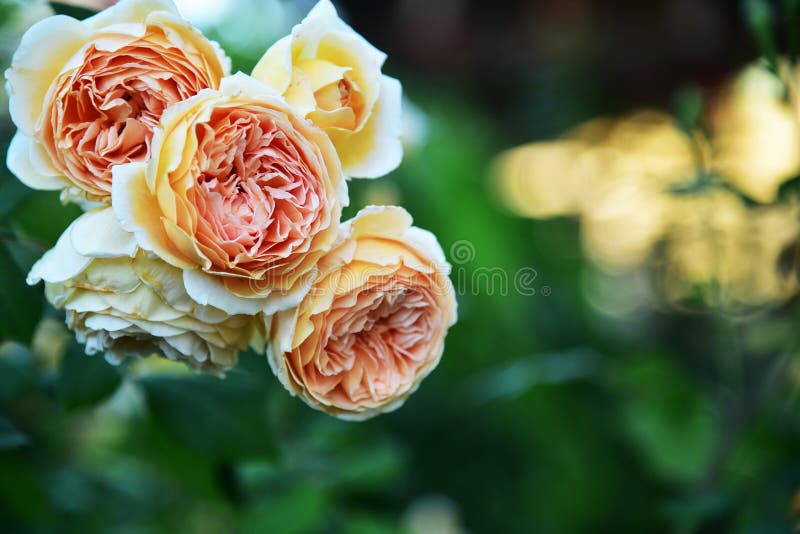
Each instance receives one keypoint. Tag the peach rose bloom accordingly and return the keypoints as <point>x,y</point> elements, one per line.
<point>332,75</point>
<point>86,95</point>
<point>374,323</point>
<point>124,302</point>
<point>241,193</point>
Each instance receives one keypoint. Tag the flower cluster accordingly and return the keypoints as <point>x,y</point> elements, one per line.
<point>213,202</point>
<point>706,205</point>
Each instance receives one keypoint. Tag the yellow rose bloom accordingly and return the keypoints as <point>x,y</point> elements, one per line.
<point>125,302</point>
<point>756,135</point>
<point>332,75</point>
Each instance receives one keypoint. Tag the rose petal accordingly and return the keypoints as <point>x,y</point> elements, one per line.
<point>28,161</point>
<point>98,234</point>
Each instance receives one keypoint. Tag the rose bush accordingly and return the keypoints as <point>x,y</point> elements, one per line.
<point>373,325</point>
<point>213,203</point>
<point>86,95</point>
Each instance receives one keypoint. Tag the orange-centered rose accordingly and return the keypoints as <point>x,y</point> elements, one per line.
<point>87,95</point>
<point>240,192</point>
<point>373,325</point>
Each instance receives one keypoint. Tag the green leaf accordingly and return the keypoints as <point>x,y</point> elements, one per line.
<point>792,8</point>
<point>42,217</point>
<point>21,492</point>
<point>77,12</point>
<point>517,377</point>
<point>298,511</point>
<point>10,437</point>
<point>85,380</point>
<point>17,373</point>
<point>370,468</point>
<point>759,17</point>
<point>224,419</point>
<point>672,425</point>
<point>367,524</point>
<point>12,192</point>
<point>688,105</point>
<point>20,304</point>
<point>693,510</point>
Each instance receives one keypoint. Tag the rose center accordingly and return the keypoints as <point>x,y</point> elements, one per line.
<point>103,113</point>
<point>381,344</point>
<point>343,103</point>
<point>257,194</point>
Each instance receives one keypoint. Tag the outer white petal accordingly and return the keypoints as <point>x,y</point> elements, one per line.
<point>28,161</point>
<point>425,242</point>
<point>278,301</point>
<point>60,263</point>
<point>384,130</point>
<point>242,84</point>
<point>275,67</point>
<point>122,201</point>
<point>323,19</point>
<point>382,221</point>
<point>98,234</point>
<point>277,363</point>
<point>323,12</point>
<point>189,344</point>
<point>210,291</point>
<point>44,49</point>
<point>171,20</point>
<point>107,323</point>
<point>129,11</point>
<point>282,331</point>
<point>76,196</point>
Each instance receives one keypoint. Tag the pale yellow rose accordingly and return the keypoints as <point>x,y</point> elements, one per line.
<point>86,95</point>
<point>333,76</point>
<point>374,323</point>
<point>123,302</point>
<point>716,241</point>
<point>617,175</point>
<point>240,193</point>
<point>756,135</point>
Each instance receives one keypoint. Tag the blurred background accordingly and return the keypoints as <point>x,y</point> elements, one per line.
<point>615,186</point>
